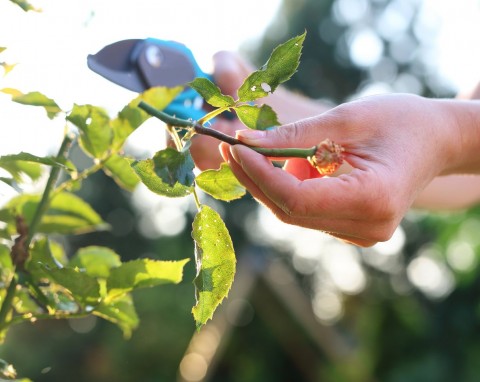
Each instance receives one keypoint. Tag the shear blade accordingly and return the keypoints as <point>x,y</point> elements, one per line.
<point>114,62</point>
<point>141,64</point>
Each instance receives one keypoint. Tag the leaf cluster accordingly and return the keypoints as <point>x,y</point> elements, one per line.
<point>42,281</point>
<point>279,68</point>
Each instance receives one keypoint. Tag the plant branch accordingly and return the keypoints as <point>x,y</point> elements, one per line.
<point>52,180</point>
<point>7,302</point>
<point>326,157</point>
<point>199,129</point>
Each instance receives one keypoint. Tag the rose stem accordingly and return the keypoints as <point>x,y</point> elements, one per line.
<point>199,129</point>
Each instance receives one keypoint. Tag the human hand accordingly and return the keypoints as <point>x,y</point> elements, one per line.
<point>396,144</point>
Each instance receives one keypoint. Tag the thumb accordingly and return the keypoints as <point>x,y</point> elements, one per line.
<point>303,133</point>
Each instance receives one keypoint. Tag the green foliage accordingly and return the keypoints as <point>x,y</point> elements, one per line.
<point>168,173</point>
<point>212,93</point>
<point>280,67</point>
<point>17,168</point>
<point>118,167</point>
<point>43,281</point>
<point>25,5</point>
<point>221,183</point>
<point>95,133</point>
<point>143,273</point>
<point>216,263</point>
<point>5,160</point>
<point>257,118</point>
<point>34,99</point>
<point>68,214</point>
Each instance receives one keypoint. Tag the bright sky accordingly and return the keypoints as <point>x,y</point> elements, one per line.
<point>51,48</point>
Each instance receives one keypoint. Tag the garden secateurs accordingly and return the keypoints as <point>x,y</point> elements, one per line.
<point>138,65</point>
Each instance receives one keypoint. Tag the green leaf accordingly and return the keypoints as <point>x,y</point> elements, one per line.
<point>257,118</point>
<point>215,258</point>
<point>25,5</point>
<point>168,173</point>
<point>211,92</point>
<point>17,168</point>
<point>23,303</point>
<point>143,273</point>
<point>34,99</point>
<point>96,134</point>
<point>120,312</point>
<point>131,116</point>
<point>95,261</point>
<point>7,68</point>
<point>281,65</point>
<point>8,181</point>
<point>174,167</point>
<point>82,287</point>
<point>221,183</point>
<point>119,168</point>
<point>27,157</point>
<point>67,214</point>
<point>41,256</point>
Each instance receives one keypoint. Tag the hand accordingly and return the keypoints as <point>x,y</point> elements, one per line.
<point>396,144</point>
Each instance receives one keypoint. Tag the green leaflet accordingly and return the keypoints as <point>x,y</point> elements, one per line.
<point>257,118</point>
<point>17,168</point>
<point>211,93</point>
<point>41,255</point>
<point>7,68</point>
<point>95,133</point>
<point>34,99</point>
<point>95,261</point>
<point>67,214</point>
<point>281,65</point>
<point>168,173</point>
<point>215,259</point>
<point>119,168</point>
<point>120,312</point>
<point>221,183</point>
<point>27,157</point>
<point>84,288</point>
<point>25,5</point>
<point>143,273</point>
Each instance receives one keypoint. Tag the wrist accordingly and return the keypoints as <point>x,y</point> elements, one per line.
<point>463,136</point>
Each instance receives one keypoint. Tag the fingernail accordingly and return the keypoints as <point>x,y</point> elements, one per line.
<point>251,136</point>
<point>233,152</point>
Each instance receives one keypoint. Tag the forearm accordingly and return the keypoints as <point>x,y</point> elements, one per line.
<point>458,191</point>
<point>451,192</point>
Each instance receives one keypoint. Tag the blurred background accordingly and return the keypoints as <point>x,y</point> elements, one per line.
<point>304,307</point>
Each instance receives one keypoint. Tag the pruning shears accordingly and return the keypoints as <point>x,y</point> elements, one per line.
<point>140,64</point>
